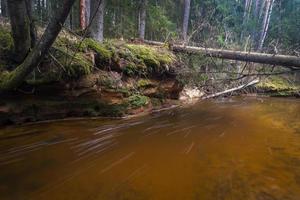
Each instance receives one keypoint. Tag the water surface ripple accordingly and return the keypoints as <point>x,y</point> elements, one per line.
<point>239,148</point>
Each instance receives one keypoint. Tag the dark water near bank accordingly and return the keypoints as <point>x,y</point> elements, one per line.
<point>215,150</point>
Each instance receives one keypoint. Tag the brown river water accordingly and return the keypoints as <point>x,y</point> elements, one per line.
<point>232,149</point>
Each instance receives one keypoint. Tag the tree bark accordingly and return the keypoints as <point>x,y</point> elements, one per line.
<point>142,18</point>
<point>15,78</point>
<point>82,14</point>
<point>87,12</point>
<point>33,32</point>
<point>75,19</point>
<point>246,16</point>
<point>280,60</point>
<point>97,17</point>
<point>186,17</point>
<point>39,9</point>
<point>256,10</point>
<point>266,22</point>
<point>256,19</point>
<point>20,25</point>
<point>4,10</point>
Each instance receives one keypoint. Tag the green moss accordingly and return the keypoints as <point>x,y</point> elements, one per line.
<point>69,42</point>
<point>108,81</point>
<point>102,51</point>
<point>132,69</point>
<point>161,95</point>
<point>156,102</point>
<point>6,42</point>
<point>137,101</point>
<point>277,83</point>
<point>88,107</point>
<point>74,64</point>
<point>165,57</point>
<point>278,86</point>
<point>139,59</point>
<point>64,42</point>
<point>75,60</point>
<point>98,108</point>
<point>4,77</point>
<point>79,66</point>
<point>125,91</point>
<point>144,83</point>
<point>153,58</point>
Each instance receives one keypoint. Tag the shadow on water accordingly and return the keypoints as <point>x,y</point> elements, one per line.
<point>218,149</point>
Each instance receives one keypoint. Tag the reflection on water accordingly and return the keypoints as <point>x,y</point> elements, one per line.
<point>215,150</point>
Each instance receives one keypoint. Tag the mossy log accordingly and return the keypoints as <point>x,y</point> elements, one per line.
<point>263,58</point>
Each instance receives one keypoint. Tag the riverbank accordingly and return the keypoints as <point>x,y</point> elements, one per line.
<point>83,78</point>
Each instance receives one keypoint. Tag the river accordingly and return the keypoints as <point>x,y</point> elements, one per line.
<point>236,148</point>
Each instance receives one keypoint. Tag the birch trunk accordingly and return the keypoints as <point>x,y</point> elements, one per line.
<point>247,11</point>
<point>263,5</point>
<point>256,10</point>
<point>266,23</point>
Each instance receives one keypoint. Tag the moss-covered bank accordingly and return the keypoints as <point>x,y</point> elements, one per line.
<point>84,78</point>
<point>81,78</point>
<point>278,86</point>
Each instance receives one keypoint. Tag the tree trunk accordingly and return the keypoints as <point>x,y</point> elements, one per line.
<point>87,12</point>
<point>246,16</point>
<point>256,10</point>
<point>20,24</point>
<point>75,19</point>
<point>68,22</point>
<point>4,11</point>
<point>186,17</point>
<point>266,22</point>
<point>33,32</point>
<point>39,10</point>
<point>262,7</point>
<point>142,18</point>
<point>280,60</point>
<point>15,78</point>
<point>50,8</point>
<point>82,14</point>
<point>97,17</point>
<point>256,19</point>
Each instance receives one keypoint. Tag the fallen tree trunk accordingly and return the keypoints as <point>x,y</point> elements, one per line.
<point>231,90</point>
<point>281,60</point>
<point>15,78</point>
